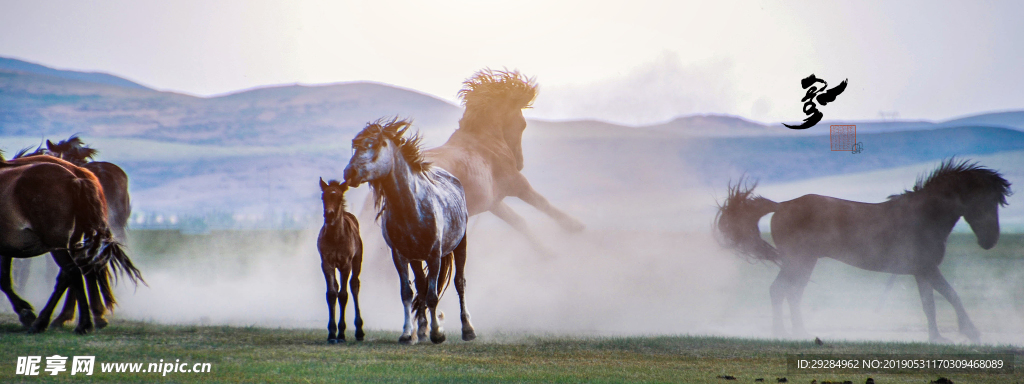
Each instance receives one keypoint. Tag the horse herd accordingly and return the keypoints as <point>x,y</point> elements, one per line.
<point>56,201</point>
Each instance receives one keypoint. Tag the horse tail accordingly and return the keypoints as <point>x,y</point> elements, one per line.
<point>419,303</point>
<point>737,219</point>
<point>90,213</point>
<point>446,274</point>
<point>91,222</point>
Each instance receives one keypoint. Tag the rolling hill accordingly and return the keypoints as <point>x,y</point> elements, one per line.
<point>260,151</point>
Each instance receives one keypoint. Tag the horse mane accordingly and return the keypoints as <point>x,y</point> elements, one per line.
<point>73,150</point>
<point>489,89</point>
<point>963,177</point>
<point>394,129</point>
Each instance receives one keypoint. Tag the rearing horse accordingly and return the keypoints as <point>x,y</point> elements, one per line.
<point>423,213</point>
<point>904,235</point>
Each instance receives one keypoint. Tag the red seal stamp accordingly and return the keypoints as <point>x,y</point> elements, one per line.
<point>843,137</point>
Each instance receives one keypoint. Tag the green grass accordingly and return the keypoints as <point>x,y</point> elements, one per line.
<point>250,354</point>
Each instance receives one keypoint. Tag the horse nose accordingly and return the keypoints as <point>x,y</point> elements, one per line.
<point>350,173</point>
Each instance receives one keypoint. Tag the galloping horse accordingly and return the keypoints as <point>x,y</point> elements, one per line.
<point>115,190</point>
<point>904,235</point>
<point>486,154</point>
<point>50,205</point>
<point>341,250</point>
<point>424,215</point>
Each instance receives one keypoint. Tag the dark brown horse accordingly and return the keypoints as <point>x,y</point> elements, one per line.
<point>904,235</point>
<point>115,190</point>
<point>50,205</point>
<point>341,251</point>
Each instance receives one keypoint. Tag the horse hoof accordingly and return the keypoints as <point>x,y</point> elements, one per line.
<point>360,335</point>
<point>469,335</point>
<point>26,317</point>
<point>101,323</point>
<point>332,341</point>
<point>83,330</point>
<point>437,338</point>
<point>407,340</point>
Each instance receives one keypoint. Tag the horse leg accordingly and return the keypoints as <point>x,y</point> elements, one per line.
<point>924,287</point>
<point>460,286</point>
<point>343,301</point>
<point>778,291</point>
<point>402,266</point>
<point>67,313</point>
<point>99,310</point>
<point>20,306</point>
<point>357,266</point>
<point>433,272</point>
<point>332,297</point>
<point>967,327</point>
<point>798,282</point>
<point>530,196</point>
<point>70,276</point>
<point>420,303</point>
<point>506,214</point>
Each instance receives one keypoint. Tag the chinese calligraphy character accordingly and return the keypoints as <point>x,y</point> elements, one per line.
<point>83,364</point>
<point>56,364</point>
<point>820,95</point>
<point>28,365</point>
<point>858,148</point>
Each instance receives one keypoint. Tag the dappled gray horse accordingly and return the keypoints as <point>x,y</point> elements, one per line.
<point>423,212</point>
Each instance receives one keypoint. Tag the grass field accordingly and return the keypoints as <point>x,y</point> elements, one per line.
<point>258,351</point>
<point>250,354</point>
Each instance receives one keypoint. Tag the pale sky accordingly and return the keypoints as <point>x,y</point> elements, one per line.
<point>632,62</point>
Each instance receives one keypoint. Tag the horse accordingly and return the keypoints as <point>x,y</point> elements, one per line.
<point>906,234</point>
<point>485,153</point>
<point>50,205</point>
<point>341,250</point>
<point>114,181</point>
<point>423,216</point>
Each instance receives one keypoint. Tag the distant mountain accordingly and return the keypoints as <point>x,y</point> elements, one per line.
<point>37,104</point>
<point>9,64</point>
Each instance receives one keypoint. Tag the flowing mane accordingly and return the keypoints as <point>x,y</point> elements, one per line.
<point>964,178</point>
<point>394,130</point>
<point>489,89</point>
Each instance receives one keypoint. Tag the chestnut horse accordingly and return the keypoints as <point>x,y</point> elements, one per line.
<point>50,205</point>
<point>115,190</point>
<point>904,235</point>
<point>341,251</point>
<point>423,213</point>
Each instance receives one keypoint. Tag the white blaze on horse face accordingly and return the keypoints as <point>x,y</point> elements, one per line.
<point>370,163</point>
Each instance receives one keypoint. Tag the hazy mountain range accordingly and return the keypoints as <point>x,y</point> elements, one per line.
<point>263,149</point>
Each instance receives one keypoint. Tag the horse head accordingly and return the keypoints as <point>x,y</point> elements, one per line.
<point>333,196</point>
<point>372,156</point>
<point>494,103</point>
<point>72,150</point>
<point>982,214</point>
<point>977,192</point>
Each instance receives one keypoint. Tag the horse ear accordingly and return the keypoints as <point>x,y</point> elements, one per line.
<point>49,145</point>
<point>323,185</point>
<point>344,186</point>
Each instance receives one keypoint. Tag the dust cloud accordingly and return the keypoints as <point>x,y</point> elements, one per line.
<point>647,264</point>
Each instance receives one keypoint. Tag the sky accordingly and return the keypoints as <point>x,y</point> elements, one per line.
<point>635,62</point>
